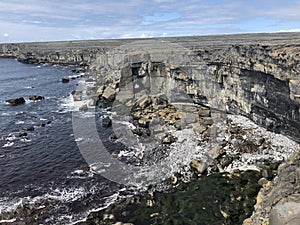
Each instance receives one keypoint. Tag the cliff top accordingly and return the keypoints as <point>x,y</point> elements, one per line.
<point>188,42</point>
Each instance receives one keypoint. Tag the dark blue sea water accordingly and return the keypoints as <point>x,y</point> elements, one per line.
<point>43,170</point>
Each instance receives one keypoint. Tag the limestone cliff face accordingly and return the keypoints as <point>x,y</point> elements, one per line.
<point>236,74</point>
<point>260,82</point>
<point>28,53</point>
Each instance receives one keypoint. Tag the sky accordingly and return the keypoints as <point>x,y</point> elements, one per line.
<point>53,20</point>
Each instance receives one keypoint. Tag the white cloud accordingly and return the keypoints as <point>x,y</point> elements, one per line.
<point>290,30</point>
<point>5,35</point>
<point>101,19</point>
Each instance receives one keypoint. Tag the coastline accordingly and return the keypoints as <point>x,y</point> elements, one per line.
<point>224,58</point>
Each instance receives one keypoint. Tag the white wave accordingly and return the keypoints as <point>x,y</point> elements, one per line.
<point>8,144</point>
<point>75,76</point>
<point>110,200</point>
<point>9,204</point>
<point>19,122</point>
<point>67,104</point>
<point>43,119</point>
<point>67,195</point>
<point>78,139</point>
<point>25,140</point>
<point>7,221</point>
<point>11,137</point>
<point>31,78</point>
<point>78,172</point>
<point>28,87</point>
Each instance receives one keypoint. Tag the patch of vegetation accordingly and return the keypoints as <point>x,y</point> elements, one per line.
<point>213,200</point>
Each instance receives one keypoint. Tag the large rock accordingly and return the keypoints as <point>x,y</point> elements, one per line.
<point>77,95</point>
<point>168,139</point>
<point>84,108</point>
<point>106,122</point>
<point>65,80</point>
<point>36,97</point>
<point>109,93</point>
<point>285,214</point>
<point>199,166</point>
<point>144,101</point>
<point>216,152</point>
<point>16,101</point>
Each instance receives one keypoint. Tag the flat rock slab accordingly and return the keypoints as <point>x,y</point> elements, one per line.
<point>285,214</point>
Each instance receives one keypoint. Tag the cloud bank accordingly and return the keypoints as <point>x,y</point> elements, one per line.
<point>34,20</point>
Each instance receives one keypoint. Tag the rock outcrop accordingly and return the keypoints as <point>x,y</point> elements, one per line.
<point>36,97</point>
<point>278,201</point>
<point>16,101</point>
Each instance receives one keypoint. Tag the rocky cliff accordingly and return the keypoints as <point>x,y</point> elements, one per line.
<point>255,75</point>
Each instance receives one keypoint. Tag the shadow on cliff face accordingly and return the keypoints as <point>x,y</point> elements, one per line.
<point>271,105</point>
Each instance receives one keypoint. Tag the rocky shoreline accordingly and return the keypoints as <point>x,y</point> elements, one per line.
<point>191,97</point>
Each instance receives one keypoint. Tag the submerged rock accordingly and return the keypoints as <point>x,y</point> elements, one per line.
<point>16,101</point>
<point>30,128</point>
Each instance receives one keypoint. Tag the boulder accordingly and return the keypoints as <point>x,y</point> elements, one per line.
<point>207,120</point>
<point>216,152</point>
<point>144,101</point>
<point>100,90</point>
<point>83,108</point>
<point>36,97</point>
<point>199,166</point>
<point>198,127</point>
<point>285,213</point>
<point>137,131</point>
<point>65,80</point>
<point>168,139</point>
<point>30,128</point>
<point>90,90</point>
<point>23,134</point>
<point>109,93</point>
<point>204,112</point>
<point>143,122</point>
<point>77,95</point>
<point>262,181</point>
<point>16,101</point>
<point>161,100</point>
<point>106,122</point>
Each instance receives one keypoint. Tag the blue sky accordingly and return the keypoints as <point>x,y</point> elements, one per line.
<point>36,20</point>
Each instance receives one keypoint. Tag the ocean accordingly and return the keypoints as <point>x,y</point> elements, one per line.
<point>43,177</point>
